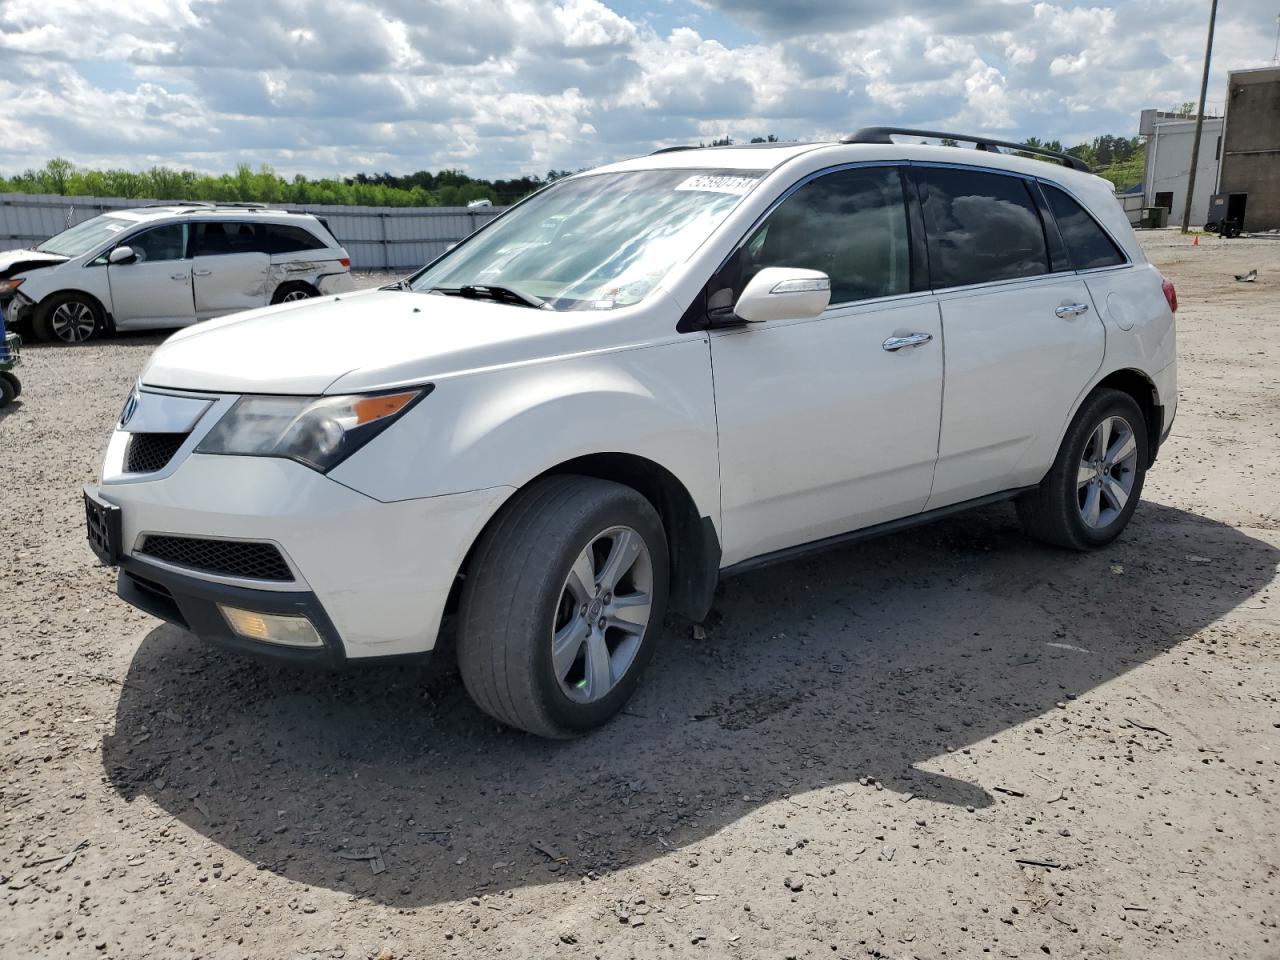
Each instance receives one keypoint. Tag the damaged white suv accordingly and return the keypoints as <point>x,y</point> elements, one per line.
<point>635,382</point>
<point>168,266</point>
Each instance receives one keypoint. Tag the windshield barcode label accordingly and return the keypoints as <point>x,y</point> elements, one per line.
<point>717,184</point>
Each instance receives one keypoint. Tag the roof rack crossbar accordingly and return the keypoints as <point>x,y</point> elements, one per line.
<point>885,135</point>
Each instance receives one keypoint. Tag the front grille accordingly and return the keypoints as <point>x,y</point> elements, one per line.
<point>149,452</point>
<point>229,558</point>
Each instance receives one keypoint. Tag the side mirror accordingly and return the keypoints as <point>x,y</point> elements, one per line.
<point>122,255</point>
<point>784,293</point>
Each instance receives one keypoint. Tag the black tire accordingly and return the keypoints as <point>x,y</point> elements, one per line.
<point>8,390</point>
<point>294,290</point>
<point>1053,512</point>
<point>43,326</point>
<point>13,381</point>
<point>516,589</point>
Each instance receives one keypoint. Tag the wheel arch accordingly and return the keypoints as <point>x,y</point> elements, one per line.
<point>1144,392</point>
<point>691,537</point>
<point>282,288</point>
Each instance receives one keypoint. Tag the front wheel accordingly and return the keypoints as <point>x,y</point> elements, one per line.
<point>563,605</point>
<point>68,318</point>
<point>1093,487</point>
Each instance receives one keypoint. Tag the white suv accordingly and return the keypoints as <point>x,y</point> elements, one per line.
<point>639,380</point>
<point>168,266</point>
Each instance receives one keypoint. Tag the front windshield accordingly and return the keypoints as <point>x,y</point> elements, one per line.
<point>83,237</point>
<point>595,242</point>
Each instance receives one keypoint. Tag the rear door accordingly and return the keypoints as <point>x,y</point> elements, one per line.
<point>155,289</point>
<point>1022,335</point>
<point>230,266</point>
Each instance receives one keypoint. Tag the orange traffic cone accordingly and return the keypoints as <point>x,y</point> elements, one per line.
<point>1196,241</point>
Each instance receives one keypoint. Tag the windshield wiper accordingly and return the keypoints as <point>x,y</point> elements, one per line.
<point>500,294</point>
<point>401,284</point>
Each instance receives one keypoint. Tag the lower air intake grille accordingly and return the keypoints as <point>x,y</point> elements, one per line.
<point>229,558</point>
<point>149,452</point>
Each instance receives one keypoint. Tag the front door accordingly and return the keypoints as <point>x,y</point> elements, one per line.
<point>230,267</point>
<point>155,289</point>
<point>1023,335</point>
<point>828,425</point>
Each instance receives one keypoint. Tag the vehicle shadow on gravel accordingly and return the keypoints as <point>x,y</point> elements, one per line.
<point>870,661</point>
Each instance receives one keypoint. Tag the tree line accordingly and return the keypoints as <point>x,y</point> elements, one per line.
<point>1119,159</point>
<point>445,188</point>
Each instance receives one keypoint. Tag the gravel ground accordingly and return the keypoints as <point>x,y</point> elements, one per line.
<point>948,743</point>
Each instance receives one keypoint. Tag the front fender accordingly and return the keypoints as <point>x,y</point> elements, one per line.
<point>506,426</point>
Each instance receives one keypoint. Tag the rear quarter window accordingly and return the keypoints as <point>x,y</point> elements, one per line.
<point>1087,243</point>
<point>287,238</point>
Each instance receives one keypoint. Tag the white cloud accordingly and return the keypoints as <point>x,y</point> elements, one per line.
<point>504,87</point>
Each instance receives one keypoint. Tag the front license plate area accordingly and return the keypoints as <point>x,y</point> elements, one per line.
<point>102,526</point>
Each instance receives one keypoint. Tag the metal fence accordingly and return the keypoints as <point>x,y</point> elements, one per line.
<point>378,238</point>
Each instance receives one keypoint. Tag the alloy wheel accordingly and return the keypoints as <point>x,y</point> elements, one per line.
<point>1107,471</point>
<point>293,295</point>
<point>602,614</point>
<point>73,321</point>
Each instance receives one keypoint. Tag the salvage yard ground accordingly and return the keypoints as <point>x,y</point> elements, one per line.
<point>949,743</point>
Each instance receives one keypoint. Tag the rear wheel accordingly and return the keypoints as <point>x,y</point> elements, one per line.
<point>8,392</point>
<point>14,383</point>
<point>296,290</point>
<point>1091,491</point>
<point>563,605</point>
<point>67,318</point>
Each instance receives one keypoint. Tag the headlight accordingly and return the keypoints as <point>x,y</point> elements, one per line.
<point>319,432</point>
<point>10,285</point>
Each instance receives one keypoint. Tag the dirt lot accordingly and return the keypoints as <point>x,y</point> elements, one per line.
<point>949,743</point>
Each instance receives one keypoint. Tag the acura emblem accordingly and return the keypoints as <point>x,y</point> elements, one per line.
<point>130,407</point>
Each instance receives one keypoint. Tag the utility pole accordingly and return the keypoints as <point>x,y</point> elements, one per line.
<point>1195,143</point>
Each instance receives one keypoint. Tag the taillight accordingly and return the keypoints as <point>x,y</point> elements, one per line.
<point>1171,295</point>
<point>346,262</point>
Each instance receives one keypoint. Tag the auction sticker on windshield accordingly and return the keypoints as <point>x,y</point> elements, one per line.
<point>709,183</point>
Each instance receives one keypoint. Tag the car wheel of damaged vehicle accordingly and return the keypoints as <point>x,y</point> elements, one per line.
<point>289,292</point>
<point>68,318</point>
<point>1093,487</point>
<point>563,605</point>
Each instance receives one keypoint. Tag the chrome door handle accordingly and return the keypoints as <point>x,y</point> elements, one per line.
<point>910,340</point>
<point>1072,310</point>
<point>202,273</point>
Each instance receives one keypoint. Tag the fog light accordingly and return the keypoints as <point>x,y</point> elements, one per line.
<point>288,630</point>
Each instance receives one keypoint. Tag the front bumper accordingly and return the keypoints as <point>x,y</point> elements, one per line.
<point>192,603</point>
<point>376,574</point>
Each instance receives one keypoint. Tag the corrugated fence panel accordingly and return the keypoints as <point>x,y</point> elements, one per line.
<point>378,238</point>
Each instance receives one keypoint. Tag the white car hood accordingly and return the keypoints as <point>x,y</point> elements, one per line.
<point>27,259</point>
<point>366,341</point>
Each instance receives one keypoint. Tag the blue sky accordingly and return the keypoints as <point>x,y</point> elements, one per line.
<point>505,87</point>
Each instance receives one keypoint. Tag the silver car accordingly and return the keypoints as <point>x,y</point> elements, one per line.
<point>168,266</point>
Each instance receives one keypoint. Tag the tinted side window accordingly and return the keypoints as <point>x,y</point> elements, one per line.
<point>982,227</point>
<point>160,243</point>
<point>1087,242</point>
<point>211,238</point>
<point>851,225</point>
<point>286,238</point>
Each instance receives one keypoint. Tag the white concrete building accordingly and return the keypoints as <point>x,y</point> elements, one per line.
<point>1169,141</point>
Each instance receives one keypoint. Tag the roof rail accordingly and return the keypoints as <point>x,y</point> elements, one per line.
<point>209,205</point>
<point>181,203</point>
<point>886,134</point>
<point>674,149</point>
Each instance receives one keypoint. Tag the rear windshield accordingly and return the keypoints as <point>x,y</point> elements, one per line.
<point>595,242</point>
